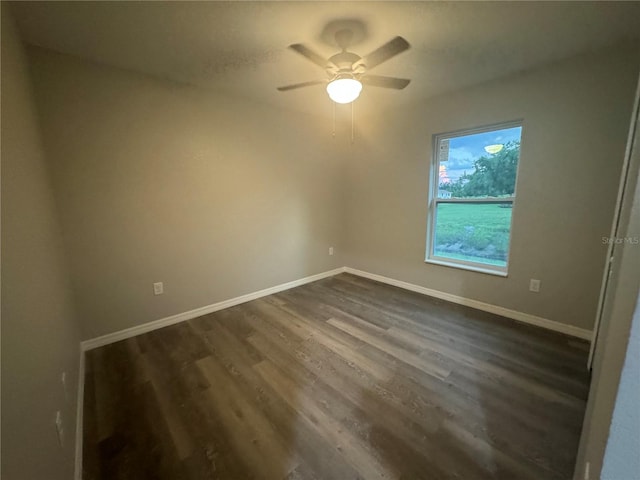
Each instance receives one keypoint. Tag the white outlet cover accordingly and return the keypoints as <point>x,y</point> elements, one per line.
<point>158,288</point>
<point>534,285</point>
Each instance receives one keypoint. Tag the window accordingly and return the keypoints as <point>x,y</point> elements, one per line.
<point>472,195</point>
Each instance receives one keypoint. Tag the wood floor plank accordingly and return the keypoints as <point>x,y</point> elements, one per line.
<point>246,429</point>
<point>344,378</point>
<point>181,438</point>
<point>491,328</point>
<point>574,384</point>
<point>312,371</point>
<point>213,458</point>
<point>344,441</point>
<point>438,371</point>
<point>340,343</point>
<point>392,300</point>
<point>303,443</point>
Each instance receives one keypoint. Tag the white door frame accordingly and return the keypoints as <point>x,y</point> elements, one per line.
<point>604,291</point>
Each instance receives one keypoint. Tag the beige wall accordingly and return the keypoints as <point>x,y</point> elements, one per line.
<point>575,115</point>
<point>212,195</point>
<point>40,336</point>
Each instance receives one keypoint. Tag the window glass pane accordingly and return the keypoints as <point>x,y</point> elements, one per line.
<point>479,165</point>
<point>473,232</point>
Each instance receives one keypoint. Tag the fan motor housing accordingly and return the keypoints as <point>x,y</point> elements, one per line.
<point>345,60</point>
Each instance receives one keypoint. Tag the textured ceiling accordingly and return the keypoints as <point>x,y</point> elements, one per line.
<point>240,47</point>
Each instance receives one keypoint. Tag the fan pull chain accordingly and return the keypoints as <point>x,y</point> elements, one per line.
<point>333,133</point>
<point>352,121</point>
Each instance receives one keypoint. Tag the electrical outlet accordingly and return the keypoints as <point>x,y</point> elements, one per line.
<point>330,250</point>
<point>534,285</point>
<point>158,288</point>
<point>586,470</point>
<point>60,428</point>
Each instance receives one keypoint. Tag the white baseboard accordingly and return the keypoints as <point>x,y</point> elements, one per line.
<point>79,418</point>
<point>486,307</point>
<point>181,317</point>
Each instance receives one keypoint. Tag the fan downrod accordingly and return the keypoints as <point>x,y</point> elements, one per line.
<point>343,38</point>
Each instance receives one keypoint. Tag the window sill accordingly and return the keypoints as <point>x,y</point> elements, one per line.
<point>461,266</point>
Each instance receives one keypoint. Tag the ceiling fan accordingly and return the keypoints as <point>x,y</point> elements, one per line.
<point>347,72</point>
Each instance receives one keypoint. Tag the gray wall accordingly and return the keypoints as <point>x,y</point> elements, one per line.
<point>162,182</point>
<point>40,336</point>
<point>212,195</point>
<point>217,197</point>
<point>576,116</point>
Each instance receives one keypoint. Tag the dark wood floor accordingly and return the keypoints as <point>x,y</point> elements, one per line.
<point>343,378</point>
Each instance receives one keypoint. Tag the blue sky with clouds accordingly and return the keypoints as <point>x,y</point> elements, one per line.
<point>463,151</point>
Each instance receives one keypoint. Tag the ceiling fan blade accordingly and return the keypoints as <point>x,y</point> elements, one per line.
<point>310,55</point>
<point>300,85</point>
<point>385,52</point>
<point>385,82</point>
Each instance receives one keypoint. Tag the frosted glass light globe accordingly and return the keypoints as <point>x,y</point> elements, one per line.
<point>344,90</point>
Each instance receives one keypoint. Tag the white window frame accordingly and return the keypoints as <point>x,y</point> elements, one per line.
<point>434,183</point>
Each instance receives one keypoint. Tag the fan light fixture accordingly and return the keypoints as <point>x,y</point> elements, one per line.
<point>344,89</point>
